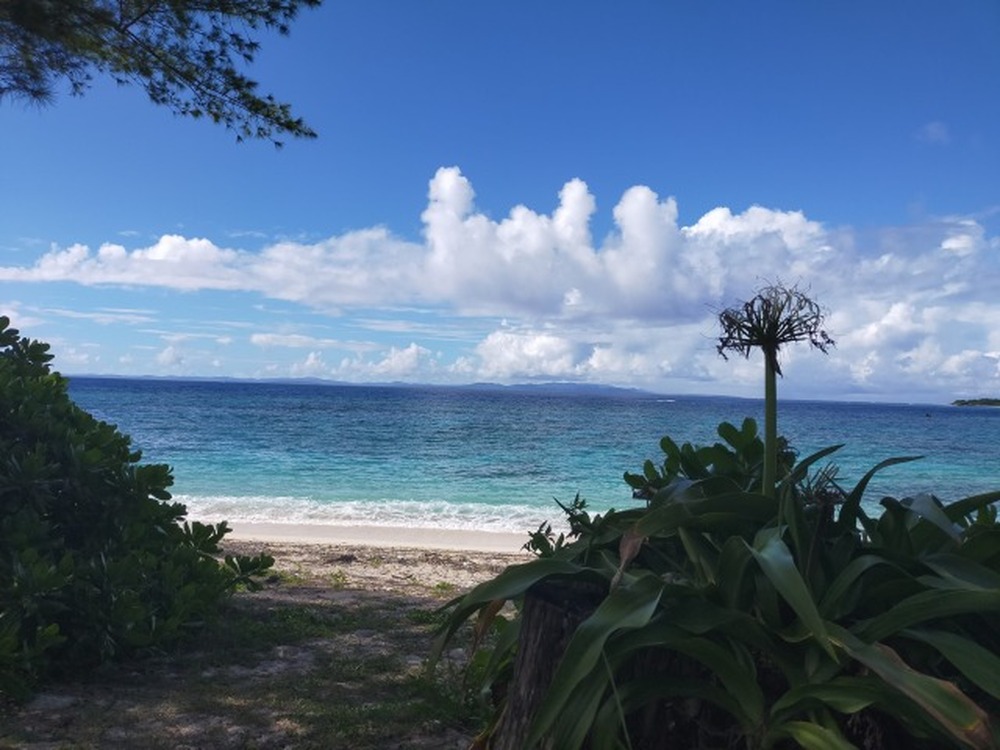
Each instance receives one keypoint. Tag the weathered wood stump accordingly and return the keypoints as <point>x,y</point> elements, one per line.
<point>552,612</point>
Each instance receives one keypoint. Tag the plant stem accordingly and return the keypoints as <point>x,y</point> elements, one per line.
<point>770,427</point>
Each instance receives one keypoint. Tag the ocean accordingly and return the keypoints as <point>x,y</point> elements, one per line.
<point>490,458</point>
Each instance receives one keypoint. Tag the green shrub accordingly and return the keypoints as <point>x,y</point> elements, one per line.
<point>95,561</point>
<point>733,618</point>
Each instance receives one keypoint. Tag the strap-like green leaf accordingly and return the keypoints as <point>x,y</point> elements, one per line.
<point>959,509</point>
<point>813,736</point>
<point>983,547</point>
<point>846,585</point>
<point>637,693</point>
<point>701,553</point>
<point>802,467</point>
<point>844,694</point>
<point>511,583</point>
<point>848,518</point>
<point>776,562</point>
<point>927,507</point>
<point>736,574</point>
<point>926,606</point>
<point>626,607</point>
<point>728,660</point>
<point>952,710</point>
<point>962,572</point>
<point>978,664</point>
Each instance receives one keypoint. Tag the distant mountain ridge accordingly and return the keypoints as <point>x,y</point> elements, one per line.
<point>561,388</point>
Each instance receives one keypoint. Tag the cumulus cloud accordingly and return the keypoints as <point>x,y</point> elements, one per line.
<point>413,362</point>
<point>170,357</point>
<point>527,263</point>
<point>312,366</point>
<point>910,306</point>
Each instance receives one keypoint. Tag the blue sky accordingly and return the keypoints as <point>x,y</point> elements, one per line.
<point>526,191</point>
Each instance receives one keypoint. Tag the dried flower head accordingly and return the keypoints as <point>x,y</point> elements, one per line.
<point>776,315</point>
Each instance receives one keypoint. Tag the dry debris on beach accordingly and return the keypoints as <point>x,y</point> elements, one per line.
<point>330,654</point>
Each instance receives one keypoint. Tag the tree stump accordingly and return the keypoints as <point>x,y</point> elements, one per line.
<point>552,612</point>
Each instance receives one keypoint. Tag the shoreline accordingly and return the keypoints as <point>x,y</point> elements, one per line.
<point>379,536</point>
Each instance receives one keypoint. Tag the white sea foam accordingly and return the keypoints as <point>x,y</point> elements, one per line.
<point>394,513</point>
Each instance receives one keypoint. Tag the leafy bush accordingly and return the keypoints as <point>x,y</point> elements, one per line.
<point>733,618</point>
<point>95,561</point>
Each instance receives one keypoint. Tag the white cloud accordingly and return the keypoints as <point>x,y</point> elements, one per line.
<point>504,355</point>
<point>412,362</point>
<point>171,357</point>
<point>19,316</point>
<point>911,307</point>
<point>292,340</point>
<point>312,366</point>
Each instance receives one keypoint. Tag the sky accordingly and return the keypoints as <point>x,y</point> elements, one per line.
<point>519,192</point>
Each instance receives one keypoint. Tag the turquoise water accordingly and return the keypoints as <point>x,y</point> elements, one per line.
<point>489,459</point>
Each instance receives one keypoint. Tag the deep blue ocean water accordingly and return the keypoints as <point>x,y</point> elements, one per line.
<point>490,459</point>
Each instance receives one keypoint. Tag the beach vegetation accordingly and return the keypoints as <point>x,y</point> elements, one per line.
<point>737,619</point>
<point>338,579</point>
<point>188,55</point>
<point>976,402</point>
<point>96,561</point>
<point>287,666</point>
<point>754,600</point>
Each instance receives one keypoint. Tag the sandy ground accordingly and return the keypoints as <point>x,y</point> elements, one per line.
<point>320,567</point>
<point>380,536</point>
<point>406,561</point>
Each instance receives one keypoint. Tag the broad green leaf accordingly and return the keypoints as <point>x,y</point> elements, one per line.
<point>851,509</point>
<point>959,509</point>
<point>504,647</point>
<point>846,585</point>
<point>801,468</point>
<point>813,736</point>
<point>927,507</point>
<point>926,606</point>
<point>984,547</point>
<point>776,562</point>
<point>625,608</point>
<point>738,675</point>
<point>979,665</point>
<point>847,695</point>
<point>960,571</point>
<point>731,663</point>
<point>792,518</point>
<point>736,583</point>
<point>668,446</point>
<point>892,528</point>
<point>701,554</point>
<point>649,470</point>
<point>730,434</point>
<point>511,583</point>
<point>663,519</point>
<point>722,496</point>
<point>571,727</point>
<point>637,693</point>
<point>950,708</point>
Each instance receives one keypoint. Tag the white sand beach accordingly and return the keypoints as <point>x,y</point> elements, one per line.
<point>378,536</point>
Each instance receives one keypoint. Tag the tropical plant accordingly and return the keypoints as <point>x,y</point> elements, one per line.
<point>777,315</point>
<point>733,618</point>
<point>95,561</point>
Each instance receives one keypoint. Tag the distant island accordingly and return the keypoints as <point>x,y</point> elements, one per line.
<point>976,402</point>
